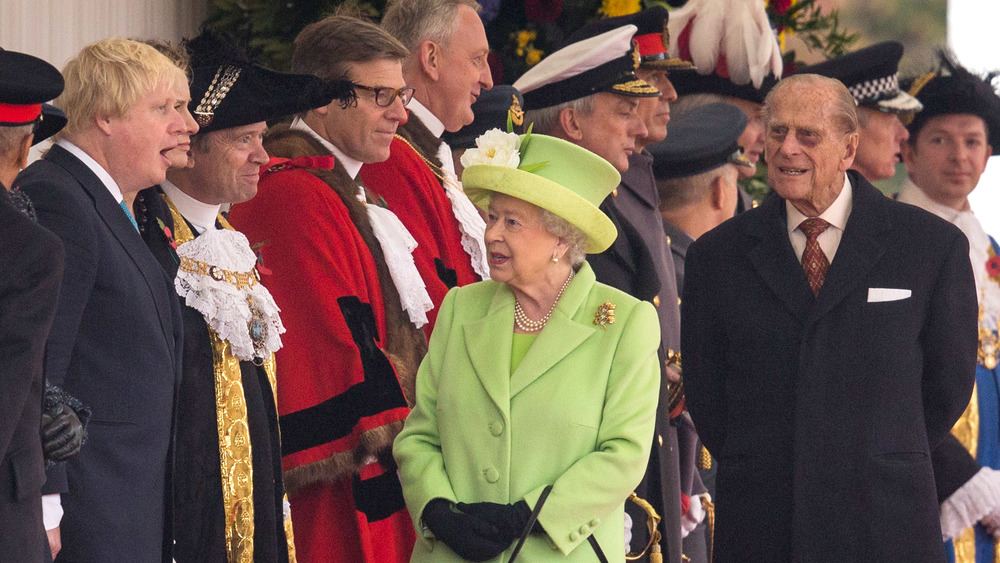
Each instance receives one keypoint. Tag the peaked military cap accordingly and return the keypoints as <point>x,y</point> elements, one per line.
<point>702,139</point>
<point>603,63</point>
<point>26,83</point>
<point>652,38</point>
<point>491,110</point>
<point>228,90</point>
<point>871,76</point>
<point>953,90</point>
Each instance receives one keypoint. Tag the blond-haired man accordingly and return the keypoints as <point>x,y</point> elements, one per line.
<point>116,339</point>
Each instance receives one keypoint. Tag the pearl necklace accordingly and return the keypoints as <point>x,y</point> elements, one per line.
<point>526,324</point>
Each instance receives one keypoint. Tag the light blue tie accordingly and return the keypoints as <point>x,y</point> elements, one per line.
<point>129,213</point>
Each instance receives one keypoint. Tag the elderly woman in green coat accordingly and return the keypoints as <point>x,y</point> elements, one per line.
<point>538,393</point>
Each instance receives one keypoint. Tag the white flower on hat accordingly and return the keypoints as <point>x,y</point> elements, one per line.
<point>495,148</point>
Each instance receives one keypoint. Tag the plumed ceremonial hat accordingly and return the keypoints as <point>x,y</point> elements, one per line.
<point>652,37</point>
<point>953,90</point>
<point>603,63</point>
<point>700,140</point>
<point>228,90</point>
<point>871,76</point>
<point>491,110</point>
<point>26,83</point>
<point>556,175</point>
<point>732,44</point>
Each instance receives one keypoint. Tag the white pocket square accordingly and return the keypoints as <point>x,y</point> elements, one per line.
<point>880,294</point>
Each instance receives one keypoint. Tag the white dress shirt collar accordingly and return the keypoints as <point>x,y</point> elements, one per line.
<point>837,215</point>
<point>430,121</point>
<point>200,214</point>
<point>94,167</point>
<point>351,166</point>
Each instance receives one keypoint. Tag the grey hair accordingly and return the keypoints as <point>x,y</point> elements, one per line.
<point>845,106</point>
<point>569,233</point>
<point>678,192</point>
<point>414,21</point>
<point>546,120</point>
<point>11,137</point>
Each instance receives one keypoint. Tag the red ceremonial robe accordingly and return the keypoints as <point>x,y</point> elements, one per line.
<point>339,399</point>
<point>412,191</point>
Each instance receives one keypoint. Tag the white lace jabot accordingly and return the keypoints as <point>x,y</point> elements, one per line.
<point>217,278</point>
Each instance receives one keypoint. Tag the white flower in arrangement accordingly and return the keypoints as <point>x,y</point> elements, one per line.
<point>496,148</point>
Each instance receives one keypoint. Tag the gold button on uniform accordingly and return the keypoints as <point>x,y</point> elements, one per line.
<point>656,300</point>
<point>660,438</point>
<point>668,239</point>
<point>678,301</point>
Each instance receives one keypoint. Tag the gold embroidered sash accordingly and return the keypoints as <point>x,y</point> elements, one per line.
<point>966,430</point>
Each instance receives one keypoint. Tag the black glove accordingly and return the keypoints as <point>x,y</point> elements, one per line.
<point>62,433</point>
<point>510,519</point>
<point>468,536</point>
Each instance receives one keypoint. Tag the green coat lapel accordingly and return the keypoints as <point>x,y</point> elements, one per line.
<point>567,328</point>
<point>488,341</point>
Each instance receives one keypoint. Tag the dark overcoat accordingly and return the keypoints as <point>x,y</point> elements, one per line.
<point>31,264</point>
<point>116,345</point>
<point>823,411</point>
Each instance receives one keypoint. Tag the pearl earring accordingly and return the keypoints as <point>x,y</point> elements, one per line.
<point>554,259</point>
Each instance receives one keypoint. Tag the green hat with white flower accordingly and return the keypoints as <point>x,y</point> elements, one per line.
<point>556,175</point>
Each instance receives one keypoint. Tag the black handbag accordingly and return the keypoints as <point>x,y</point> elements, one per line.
<point>531,522</point>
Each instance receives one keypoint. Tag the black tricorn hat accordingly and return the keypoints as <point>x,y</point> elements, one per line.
<point>702,139</point>
<point>228,90</point>
<point>652,38</point>
<point>871,76</point>
<point>491,111</point>
<point>26,83</point>
<point>955,90</point>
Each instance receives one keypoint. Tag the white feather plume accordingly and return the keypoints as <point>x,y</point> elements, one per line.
<point>736,29</point>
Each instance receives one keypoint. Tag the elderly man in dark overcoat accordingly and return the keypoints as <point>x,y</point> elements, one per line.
<point>823,396</point>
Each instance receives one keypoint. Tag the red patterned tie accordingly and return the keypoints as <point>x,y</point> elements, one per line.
<point>814,262</point>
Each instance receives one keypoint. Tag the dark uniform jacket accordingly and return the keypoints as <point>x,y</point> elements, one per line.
<point>822,411</point>
<point>639,264</point>
<point>116,345</point>
<point>31,266</point>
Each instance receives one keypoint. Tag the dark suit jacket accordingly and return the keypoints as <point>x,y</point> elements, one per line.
<point>822,411</point>
<point>31,265</point>
<point>116,345</point>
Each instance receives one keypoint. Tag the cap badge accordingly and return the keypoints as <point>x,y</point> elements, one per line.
<point>224,79</point>
<point>515,111</point>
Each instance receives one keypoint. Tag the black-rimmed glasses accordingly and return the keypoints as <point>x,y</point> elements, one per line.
<point>384,95</point>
